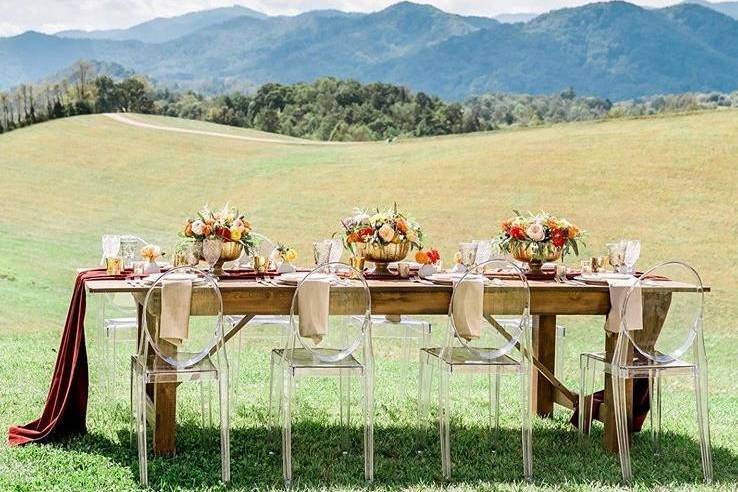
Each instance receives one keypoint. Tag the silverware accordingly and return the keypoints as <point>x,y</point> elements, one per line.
<point>421,281</point>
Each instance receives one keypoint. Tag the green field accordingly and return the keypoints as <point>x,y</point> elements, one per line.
<point>671,182</point>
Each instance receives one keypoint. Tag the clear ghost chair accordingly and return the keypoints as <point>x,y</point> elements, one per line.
<point>504,330</point>
<point>677,349</point>
<point>199,356</point>
<point>263,327</point>
<point>343,349</point>
<point>118,317</point>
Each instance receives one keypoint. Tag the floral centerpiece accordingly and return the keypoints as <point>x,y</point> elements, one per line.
<point>429,261</point>
<point>225,225</point>
<point>538,238</point>
<point>284,256</point>
<point>381,237</point>
<point>151,253</point>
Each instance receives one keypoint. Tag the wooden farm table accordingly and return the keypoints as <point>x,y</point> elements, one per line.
<point>549,299</point>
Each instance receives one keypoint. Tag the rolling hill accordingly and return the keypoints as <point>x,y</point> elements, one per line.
<point>669,182</point>
<point>615,49</point>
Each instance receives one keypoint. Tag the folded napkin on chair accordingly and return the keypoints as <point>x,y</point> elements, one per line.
<point>468,308</point>
<point>313,302</point>
<point>633,312</point>
<point>176,297</point>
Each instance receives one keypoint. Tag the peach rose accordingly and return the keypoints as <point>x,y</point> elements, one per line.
<point>386,233</point>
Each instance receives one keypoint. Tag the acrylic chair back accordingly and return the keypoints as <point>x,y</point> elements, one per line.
<point>678,308</point>
<point>505,311</point>
<point>347,326</point>
<point>197,331</point>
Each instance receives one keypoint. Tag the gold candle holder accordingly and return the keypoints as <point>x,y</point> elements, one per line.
<point>261,263</point>
<point>357,262</point>
<point>114,265</point>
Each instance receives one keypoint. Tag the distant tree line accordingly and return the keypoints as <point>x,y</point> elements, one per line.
<point>329,109</point>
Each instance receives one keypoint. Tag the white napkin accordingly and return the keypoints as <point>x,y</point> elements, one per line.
<point>176,297</point>
<point>313,302</point>
<point>633,312</point>
<point>468,308</point>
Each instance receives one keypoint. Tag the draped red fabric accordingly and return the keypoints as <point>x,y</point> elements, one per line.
<point>65,411</point>
<point>641,404</point>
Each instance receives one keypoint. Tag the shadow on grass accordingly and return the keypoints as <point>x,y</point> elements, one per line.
<point>327,456</point>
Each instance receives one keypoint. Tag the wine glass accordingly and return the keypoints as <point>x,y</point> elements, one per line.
<point>211,249</point>
<point>632,252</point>
<point>322,251</point>
<point>483,251</point>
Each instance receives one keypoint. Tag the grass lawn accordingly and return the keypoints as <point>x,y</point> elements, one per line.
<point>671,182</point>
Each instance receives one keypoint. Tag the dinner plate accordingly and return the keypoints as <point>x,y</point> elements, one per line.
<point>602,278</point>
<point>295,278</point>
<point>413,265</point>
<point>450,278</point>
<point>173,276</point>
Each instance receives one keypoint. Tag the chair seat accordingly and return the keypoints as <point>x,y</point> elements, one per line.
<point>260,320</point>
<point>159,371</point>
<point>121,323</point>
<point>461,356</point>
<point>641,366</point>
<point>302,359</point>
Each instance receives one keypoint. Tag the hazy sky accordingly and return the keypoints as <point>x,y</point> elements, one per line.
<point>50,16</point>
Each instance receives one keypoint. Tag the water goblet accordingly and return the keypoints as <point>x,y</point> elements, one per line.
<point>211,250</point>
<point>468,253</point>
<point>560,275</point>
<point>322,251</point>
<point>616,255</point>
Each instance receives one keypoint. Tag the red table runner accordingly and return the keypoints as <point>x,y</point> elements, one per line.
<point>65,411</point>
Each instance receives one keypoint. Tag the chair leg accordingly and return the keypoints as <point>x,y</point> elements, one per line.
<point>235,373</point>
<point>587,376</point>
<point>287,390</point>
<point>225,436</point>
<point>344,395</point>
<point>368,410</point>
<point>525,423</point>
<point>132,409</point>
<point>703,422</point>
<point>141,431</point>
<point>444,420</point>
<point>654,389</point>
<point>621,425</point>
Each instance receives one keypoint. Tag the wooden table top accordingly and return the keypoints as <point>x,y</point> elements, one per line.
<point>407,297</point>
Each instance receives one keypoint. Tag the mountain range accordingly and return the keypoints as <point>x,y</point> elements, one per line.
<point>614,49</point>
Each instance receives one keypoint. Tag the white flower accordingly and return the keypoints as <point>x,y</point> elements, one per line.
<point>387,233</point>
<point>535,232</point>
<point>412,236</point>
<point>197,227</point>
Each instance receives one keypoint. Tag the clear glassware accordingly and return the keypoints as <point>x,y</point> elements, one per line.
<point>129,247</point>
<point>211,249</point>
<point>468,253</point>
<point>322,251</point>
<point>632,253</point>
<point>110,246</point>
<point>616,255</point>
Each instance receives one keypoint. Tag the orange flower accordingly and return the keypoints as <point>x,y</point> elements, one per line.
<point>506,225</point>
<point>188,229</point>
<point>552,224</point>
<point>401,225</point>
<point>422,258</point>
<point>573,232</point>
<point>353,238</point>
<point>206,230</point>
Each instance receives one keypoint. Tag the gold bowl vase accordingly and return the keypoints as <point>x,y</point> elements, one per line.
<point>229,251</point>
<point>535,257</point>
<point>383,255</point>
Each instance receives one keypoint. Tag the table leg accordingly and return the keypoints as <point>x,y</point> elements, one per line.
<point>544,349</point>
<point>164,400</point>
